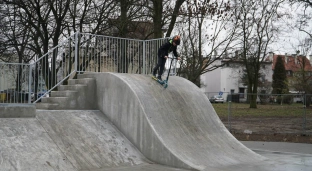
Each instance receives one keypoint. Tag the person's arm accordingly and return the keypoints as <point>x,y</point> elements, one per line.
<point>175,51</point>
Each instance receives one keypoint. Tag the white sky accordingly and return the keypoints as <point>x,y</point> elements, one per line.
<point>289,41</point>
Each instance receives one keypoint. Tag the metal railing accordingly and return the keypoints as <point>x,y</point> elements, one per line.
<point>14,83</point>
<point>79,53</point>
<point>112,54</point>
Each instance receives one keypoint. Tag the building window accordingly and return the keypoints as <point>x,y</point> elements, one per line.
<point>241,92</point>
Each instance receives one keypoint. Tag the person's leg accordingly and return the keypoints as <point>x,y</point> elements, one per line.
<point>155,70</point>
<point>162,66</point>
<point>159,62</point>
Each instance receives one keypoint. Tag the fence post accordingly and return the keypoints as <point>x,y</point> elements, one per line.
<point>29,84</point>
<point>304,113</point>
<point>76,51</point>
<point>144,56</point>
<point>229,112</point>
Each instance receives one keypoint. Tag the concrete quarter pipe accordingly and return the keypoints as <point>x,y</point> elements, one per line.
<point>176,126</point>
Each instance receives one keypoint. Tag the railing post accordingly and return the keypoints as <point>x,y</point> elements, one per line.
<point>304,114</point>
<point>29,84</point>
<point>76,51</point>
<point>144,56</point>
<point>229,113</point>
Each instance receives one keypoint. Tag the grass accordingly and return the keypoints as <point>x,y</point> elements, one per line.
<point>268,110</point>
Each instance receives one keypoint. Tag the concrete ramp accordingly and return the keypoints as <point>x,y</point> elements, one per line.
<point>65,141</point>
<point>176,126</point>
<point>88,140</point>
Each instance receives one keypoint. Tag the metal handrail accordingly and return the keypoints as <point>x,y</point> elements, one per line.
<point>83,52</point>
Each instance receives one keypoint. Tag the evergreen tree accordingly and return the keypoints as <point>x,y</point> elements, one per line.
<point>279,77</point>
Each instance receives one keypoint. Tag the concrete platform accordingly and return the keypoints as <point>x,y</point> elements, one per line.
<point>17,110</point>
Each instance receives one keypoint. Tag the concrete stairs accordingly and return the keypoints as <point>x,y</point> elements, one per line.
<point>79,94</point>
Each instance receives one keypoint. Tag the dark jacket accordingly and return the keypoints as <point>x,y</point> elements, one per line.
<point>167,48</point>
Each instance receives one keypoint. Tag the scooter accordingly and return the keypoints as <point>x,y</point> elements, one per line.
<point>164,82</point>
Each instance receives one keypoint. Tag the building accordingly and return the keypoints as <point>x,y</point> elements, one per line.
<point>294,64</point>
<point>228,79</point>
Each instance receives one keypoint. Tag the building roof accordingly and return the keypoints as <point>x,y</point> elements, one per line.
<point>293,62</point>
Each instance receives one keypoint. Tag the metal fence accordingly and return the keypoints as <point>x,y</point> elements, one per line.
<point>81,52</point>
<point>111,54</point>
<point>14,83</point>
<point>275,113</point>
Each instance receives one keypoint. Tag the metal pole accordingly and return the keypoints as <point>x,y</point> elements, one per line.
<point>29,84</point>
<point>229,112</point>
<point>144,62</point>
<point>76,51</point>
<point>304,114</point>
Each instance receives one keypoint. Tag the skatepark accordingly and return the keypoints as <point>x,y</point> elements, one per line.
<point>130,122</point>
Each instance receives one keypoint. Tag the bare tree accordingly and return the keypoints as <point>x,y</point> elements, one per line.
<point>305,15</point>
<point>256,25</point>
<point>207,24</point>
<point>174,15</point>
<point>163,14</point>
<point>16,35</point>
<point>90,16</point>
<point>50,19</point>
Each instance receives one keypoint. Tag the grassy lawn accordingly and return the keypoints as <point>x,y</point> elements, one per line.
<point>269,110</point>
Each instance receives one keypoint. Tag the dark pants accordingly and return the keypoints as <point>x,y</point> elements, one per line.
<point>160,66</point>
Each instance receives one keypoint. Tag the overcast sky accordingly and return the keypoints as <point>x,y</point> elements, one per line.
<point>289,41</point>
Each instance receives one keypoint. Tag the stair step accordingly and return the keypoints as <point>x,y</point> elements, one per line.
<point>79,81</point>
<point>58,100</point>
<point>71,87</point>
<point>66,93</point>
<point>85,75</point>
<point>46,106</point>
<point>63,102</point>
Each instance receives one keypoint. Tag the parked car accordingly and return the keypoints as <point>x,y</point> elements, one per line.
<point>216,99</point>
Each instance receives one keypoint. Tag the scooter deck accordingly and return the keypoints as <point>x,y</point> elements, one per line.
<point>163,83</point>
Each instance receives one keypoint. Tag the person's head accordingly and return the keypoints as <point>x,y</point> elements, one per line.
<point>176,40</point>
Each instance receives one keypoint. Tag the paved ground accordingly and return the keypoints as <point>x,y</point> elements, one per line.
<point>284,156</point>
<point>295,148</point>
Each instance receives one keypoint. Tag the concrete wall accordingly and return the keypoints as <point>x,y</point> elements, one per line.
<point>17,110</point>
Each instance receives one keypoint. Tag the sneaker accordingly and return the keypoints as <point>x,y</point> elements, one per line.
<point>154,75</point>
<point>159,78</point>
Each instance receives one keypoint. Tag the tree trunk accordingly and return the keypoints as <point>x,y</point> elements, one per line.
<point>157,17</point>
<point>174,16</point>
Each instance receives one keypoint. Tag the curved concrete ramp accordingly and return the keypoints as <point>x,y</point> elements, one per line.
<point>176,126</point>
<point>65,140</point>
